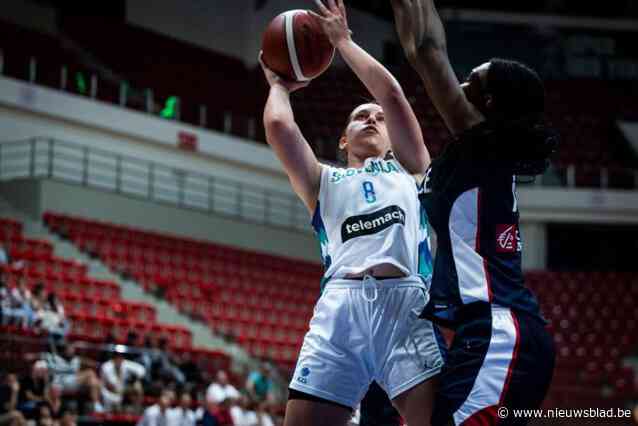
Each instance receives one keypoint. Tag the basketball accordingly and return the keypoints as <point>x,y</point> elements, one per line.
<point>295,47</point>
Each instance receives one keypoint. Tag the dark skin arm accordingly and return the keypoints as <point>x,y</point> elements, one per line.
<point>423,39</point>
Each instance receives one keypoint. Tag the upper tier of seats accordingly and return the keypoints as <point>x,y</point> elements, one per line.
<point>583,111</point>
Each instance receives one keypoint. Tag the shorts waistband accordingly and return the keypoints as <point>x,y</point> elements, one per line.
<point>409,281</point>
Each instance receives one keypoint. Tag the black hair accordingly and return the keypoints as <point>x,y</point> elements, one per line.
<point>515,120</point>
<point>516,89</point>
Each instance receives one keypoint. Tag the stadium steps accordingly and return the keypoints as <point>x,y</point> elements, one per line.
<point>130,290</point>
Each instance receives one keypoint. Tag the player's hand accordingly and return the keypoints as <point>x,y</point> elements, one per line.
<point>275,80</point>
<point>333,21</point>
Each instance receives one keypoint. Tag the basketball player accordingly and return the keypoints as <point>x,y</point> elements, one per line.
<point>373,238</point>
<point>502,354</point>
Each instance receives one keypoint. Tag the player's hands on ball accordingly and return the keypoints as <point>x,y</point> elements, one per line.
<point>333,20</point>
<point>274,79</point>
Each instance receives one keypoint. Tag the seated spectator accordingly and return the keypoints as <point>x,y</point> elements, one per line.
<point>183,414</point>
<point>259,384</point>
<point>167,367</point>
<point>38,297</point>
<point>73,374</point>
<point>159,367</point>
<point>5,302</point>
<point>32,388</point>
<point>221,389</point>
<point>9,391</point>
<point>50,317</point>
<point>20,312</point>
<point>192,372</point>
<point>121,378</point>
<point>243,413</point>
<point>157,415</point>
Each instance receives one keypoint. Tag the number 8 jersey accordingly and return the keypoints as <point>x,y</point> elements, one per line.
<point>370,216</point>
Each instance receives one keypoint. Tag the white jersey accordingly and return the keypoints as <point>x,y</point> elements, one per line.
<point>371,216</point>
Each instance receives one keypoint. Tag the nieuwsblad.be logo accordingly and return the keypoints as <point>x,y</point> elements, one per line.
<point>371,223</point>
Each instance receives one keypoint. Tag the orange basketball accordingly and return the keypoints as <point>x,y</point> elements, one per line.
<point>295,46</point>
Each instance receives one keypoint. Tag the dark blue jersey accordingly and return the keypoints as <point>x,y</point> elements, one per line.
<point>469,195</point>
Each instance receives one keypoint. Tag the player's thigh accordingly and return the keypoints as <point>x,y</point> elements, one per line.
<point>300,412</point>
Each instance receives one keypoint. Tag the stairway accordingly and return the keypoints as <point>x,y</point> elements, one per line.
<point>130,290</point>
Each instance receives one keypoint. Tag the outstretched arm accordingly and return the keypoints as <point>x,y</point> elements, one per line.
<point>285,138</point>
<point>423,39</point>
<point>404,130</point>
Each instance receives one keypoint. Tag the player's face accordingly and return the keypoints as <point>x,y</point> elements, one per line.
<point>474,86</point>
<point>366,134</point>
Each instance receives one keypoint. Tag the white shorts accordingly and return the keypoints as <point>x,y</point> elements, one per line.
<point>365,330</point>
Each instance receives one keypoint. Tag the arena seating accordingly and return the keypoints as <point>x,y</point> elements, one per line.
<point>583,111</point>
<point>592,317</point>
<point>95,309</point>
<point>262,301</point>
<point>265,302</point>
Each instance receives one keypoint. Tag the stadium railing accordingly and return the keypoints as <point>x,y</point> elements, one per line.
<point>67,162</point>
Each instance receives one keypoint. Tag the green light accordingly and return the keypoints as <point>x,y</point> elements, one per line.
<point>80,83</point>
<point>170,108</point>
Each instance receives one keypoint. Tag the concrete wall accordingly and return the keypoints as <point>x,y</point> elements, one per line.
<point>235,28</point>
<point>35,197</point>
<point>28,111</point>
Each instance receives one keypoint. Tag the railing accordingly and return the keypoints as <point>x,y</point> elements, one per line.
<point>120,93</point>
<point>135,177</point>
<point>81,80</point>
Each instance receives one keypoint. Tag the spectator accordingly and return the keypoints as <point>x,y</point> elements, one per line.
<point>120,378</point>
<point>191,371</point>
<point>32,388</point>
<point>157,415</point>
<point>5,302</point>
<point>183,414</point>
<point>9,391</point>
<point>158,365</point>
<point>259,384</point>
<point>242,412</point>
<point>221,389</point>
<point>20,310</point>
<point>38,297</point>
<point>73,374</point>
<point>51,317</point>
<point>167,367</point>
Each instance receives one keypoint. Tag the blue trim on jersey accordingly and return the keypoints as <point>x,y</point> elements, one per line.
<point>322,237</point>
<point>425,256</point>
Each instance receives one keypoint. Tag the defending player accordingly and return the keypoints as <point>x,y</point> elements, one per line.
<point>502,355</point>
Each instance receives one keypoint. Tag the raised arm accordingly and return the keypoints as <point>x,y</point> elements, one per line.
<point>285,138</point>
<point>404,130</point>
<point>423,39</point>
